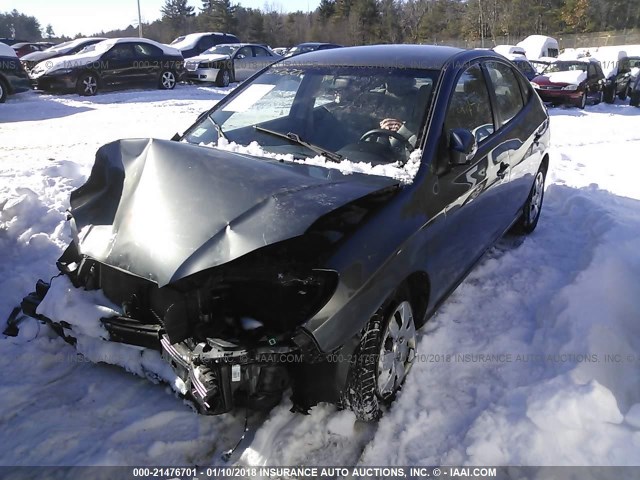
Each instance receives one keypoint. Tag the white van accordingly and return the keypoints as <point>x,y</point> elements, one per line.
<point>538,46</point>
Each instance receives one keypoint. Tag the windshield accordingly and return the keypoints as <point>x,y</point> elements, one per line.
<point>347,112</point>
<point>566,67</point>
<point>221,50</point>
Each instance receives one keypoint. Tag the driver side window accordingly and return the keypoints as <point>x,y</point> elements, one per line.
<point>469,106</point>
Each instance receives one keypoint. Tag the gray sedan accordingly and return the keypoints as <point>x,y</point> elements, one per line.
<point>228,63</point>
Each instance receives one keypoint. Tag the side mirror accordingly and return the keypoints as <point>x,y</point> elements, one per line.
<point>462,146</point>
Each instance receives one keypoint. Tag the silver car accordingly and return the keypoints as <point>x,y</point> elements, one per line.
<point>228,63</point>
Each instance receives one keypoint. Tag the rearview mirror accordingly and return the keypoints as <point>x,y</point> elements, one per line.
<point>462,146</point>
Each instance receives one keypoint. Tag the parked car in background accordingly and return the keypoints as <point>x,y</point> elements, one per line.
<point>119,61</point>
<point>252,273</point>
<point>24,48</point>
<point>507,50</point>
<point>310,47</point>
<point>67,48</point>
<point>234,62</point>
<point>541,64</point>
<point>634,91</point>
<point>13,78</point>
<point>523,65</point>
<point>620,79</point>
<point>196,43</point>
<point>575,82</point>
<point>538,46</point>
<point>11,41</point>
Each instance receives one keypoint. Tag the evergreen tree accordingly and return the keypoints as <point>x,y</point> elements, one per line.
<point>49,31</point>
<point>219,16</point>
<point>176,14</point>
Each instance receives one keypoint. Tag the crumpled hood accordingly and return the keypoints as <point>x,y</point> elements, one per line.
<point>571,77</point>
<point>164,210</point>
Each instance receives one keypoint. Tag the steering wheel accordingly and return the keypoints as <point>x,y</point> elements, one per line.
<point>378,132</point>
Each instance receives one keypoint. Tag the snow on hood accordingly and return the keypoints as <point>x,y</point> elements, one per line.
<point>165,210</point>
<point>67,61</point>
<point>405,173</point>
<point>569,77</point>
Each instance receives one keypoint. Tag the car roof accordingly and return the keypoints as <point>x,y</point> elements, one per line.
<point>402,56</point>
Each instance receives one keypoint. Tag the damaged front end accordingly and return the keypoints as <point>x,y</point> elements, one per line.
<point>211,260</point>
<point>228,334</point>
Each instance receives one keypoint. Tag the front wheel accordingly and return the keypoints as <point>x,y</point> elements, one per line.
<point>532,207</point>
<point>3,91</point>
<point>87,84</point>
<point>599,98</point>
<point>634,99</point>
<point>167,80</point>
<point>583,101</point>
<point>610,94</point>
<point>383,358</point>
<point>224,78</point>
<point>624,94</point>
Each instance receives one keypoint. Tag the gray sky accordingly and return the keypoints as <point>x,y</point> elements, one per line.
<point>69,17</point>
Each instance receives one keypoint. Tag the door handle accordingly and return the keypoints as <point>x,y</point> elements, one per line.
<point>502,172</point>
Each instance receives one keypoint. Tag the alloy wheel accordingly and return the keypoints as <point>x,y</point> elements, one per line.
<point>535,205</point>
<point>90,85</point>
<point>168,80</point>
<point>397,350</point>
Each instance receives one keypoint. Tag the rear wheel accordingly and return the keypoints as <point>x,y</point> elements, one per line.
<point>3,91</point>
<point>167,80</point>
<point>224,78</point>
<point>87,84</point>
<point>533,206</point>
<point>383,358</point>
<point>634,99</point>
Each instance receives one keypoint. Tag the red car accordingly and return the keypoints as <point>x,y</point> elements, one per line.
<point>573,82</point>
<point>23,48</point>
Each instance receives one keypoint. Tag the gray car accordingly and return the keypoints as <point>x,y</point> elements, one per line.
<point>228,63</point>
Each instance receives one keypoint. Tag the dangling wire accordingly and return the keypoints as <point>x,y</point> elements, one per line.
<point>227,455</point>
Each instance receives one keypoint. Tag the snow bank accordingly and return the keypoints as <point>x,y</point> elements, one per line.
<point>404,172</point>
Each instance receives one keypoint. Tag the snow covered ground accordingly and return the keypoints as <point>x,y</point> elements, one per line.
<point>534,360</point>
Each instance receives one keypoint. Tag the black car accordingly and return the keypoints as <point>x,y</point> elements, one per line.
<point>287,265</point>
<point>619,82</point>
<point>120,61</point>
<point>72,47</point>
<point>13,78</point>
<point>310,47</point>
<point>196,43</point>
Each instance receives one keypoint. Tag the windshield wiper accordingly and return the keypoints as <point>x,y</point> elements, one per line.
<point>295,138</point>
<point>218,128</point>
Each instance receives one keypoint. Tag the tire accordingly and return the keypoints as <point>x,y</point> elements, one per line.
<point>87,84</point>
<point>634,99</point>
<point>583,101</point>
<point>528,220</point>
<point>599,99</point>
<point>224,78</point>
<point>610,94</point>
<point>3,91</point>
<point>167,80</point>
<point>388,343</point>
<point>624,94</point>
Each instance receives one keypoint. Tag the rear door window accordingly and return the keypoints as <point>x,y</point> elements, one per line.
<point>507,91</point>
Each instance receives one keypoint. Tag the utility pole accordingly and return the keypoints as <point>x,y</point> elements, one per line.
<point>139,21</point>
